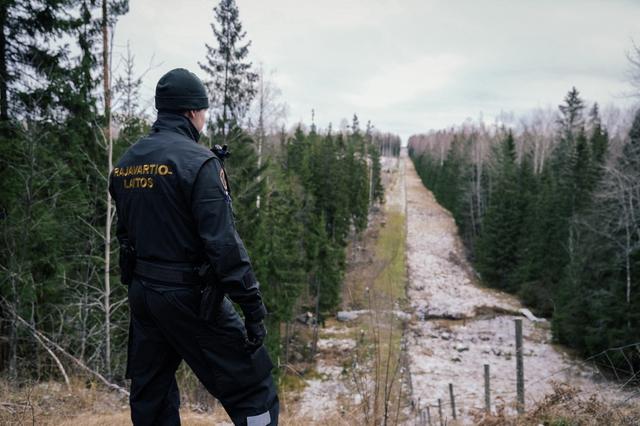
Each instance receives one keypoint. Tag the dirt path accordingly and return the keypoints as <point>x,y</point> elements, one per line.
<point>457,326</point>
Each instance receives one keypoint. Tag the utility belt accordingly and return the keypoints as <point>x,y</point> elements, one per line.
<point>189,275</point>
<point>186,274</point>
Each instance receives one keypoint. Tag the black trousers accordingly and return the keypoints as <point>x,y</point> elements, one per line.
<point>165,329</point>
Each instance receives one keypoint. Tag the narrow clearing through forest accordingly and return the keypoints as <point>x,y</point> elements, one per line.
<point>458,326</point>
<point>450,326</point>
<point>413,321</point>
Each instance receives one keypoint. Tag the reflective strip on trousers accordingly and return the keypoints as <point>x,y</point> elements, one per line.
<point>260,420</point>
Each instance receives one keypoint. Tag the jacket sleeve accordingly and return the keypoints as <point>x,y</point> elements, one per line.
<point>211,207</point>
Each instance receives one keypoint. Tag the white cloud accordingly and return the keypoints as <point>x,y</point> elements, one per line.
<point>398,83</point>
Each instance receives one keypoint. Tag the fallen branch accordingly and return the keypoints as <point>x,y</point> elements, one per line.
<point>59,348</point>
<point>11,404</point>
<point>56,359</point>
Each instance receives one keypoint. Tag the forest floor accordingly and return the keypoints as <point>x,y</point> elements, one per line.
<point>414,319</point>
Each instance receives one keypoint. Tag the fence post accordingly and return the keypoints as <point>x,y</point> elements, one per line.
<point>487,389</point>
<point>440,411</point>
<point>453,401</point>
<point>429,416</point>
<point>519,367</point>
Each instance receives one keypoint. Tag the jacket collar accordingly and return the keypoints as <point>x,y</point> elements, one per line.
<point>176,123</point>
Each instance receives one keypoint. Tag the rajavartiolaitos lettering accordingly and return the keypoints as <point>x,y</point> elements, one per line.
<point>141,175</point>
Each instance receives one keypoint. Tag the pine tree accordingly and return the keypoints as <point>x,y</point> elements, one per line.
<point>232,82</point>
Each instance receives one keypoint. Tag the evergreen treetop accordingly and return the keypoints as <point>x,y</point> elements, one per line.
<point>231,79</point>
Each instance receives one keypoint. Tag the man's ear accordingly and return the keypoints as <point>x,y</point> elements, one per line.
<point>190,114</point>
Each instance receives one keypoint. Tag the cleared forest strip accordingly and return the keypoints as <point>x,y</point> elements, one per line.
<point>458,326</point>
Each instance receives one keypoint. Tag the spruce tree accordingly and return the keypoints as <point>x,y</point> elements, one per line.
<point>571,114</point>
<point>32,55</point>
<point>232,81</point>
<point>356,179</point>
<point>245,187</point>
<point>599,145</point>
<point>598,307</point>
<point>562,193</point>
<point>502,223</point>
<point>377,190</point>
<point>449,189</point>
<point>279,257</point>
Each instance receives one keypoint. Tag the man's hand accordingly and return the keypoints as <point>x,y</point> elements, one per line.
<point>256,333</point>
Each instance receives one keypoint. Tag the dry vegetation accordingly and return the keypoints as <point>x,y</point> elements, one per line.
<point>87,404</point>
<point>566,406</point>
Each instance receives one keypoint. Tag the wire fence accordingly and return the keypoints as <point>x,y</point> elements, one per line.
<point>616,369</point>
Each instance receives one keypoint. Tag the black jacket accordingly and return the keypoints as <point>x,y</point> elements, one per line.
<point>173,206</point>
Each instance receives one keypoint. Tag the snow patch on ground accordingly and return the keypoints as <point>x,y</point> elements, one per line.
<point>346,316</point>
<point>320,396</point>
<point>440,281</point>
<point>335,330</point>
<point>336,344</point>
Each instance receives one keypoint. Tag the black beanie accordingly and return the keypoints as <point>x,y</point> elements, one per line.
<point>181,90</point>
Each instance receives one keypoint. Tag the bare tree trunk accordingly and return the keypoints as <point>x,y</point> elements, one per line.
<point>13,330</point>
<point>107,230</point>
<point>261,131</point>
<point>34,349</point>
<point>4,90</point>
<point>287,331</point>
<point>227,62</point>
<point>628,248</point>
<point>314,343</point>
<point>84,313</point>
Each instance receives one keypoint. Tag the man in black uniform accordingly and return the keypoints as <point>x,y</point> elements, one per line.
<point>175,223</point>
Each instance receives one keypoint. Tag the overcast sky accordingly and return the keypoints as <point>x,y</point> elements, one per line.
<point>406,65</point>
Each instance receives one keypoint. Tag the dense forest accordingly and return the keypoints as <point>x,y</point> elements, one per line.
<point>298,195</point>
<point>549,209</point>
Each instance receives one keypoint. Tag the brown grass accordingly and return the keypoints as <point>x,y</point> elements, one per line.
<point>566,406</point>
<point>86,404</point>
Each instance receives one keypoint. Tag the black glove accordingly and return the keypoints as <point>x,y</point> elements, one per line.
<point>256,333</point>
